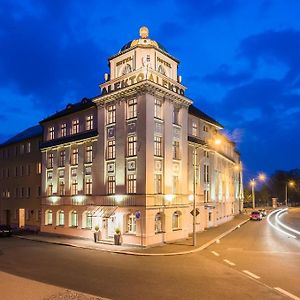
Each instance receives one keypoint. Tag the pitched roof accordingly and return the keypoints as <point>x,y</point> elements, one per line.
<point>24,135</point>
<point>71,108</point>
<point>193,110</point>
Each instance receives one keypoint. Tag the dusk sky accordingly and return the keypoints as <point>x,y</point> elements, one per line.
<point>239,59</point>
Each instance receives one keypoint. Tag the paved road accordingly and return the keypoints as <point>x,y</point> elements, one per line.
<point>255,247</point>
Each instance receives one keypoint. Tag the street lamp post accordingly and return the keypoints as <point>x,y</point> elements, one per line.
<point>291,184</point>
<point>252,183</point>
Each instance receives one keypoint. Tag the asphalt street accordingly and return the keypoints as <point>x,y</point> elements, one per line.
<point>222,271</point>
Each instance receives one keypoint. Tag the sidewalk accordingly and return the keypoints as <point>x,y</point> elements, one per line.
<point>204,239</point>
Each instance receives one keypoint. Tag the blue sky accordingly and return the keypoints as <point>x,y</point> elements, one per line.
<point>239,59</point>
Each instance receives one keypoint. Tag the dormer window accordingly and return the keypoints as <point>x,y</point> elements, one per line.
<point>51,132</point>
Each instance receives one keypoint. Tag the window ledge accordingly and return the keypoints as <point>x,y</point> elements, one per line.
<point>177,229</point>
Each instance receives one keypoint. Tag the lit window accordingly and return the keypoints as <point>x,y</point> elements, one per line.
<point>75,126</point>
<point>28,147</point>
<point>88,186</point>
<point>131,223</point>
<point>131,184</point>
<point>175,150</point>
<point>111,149</point>
<point>111,114</point>
<point>131,108</point>
<point>89,122</point>
<point>51,133</point>
<point>74,189</point>
<point>48,217</point>
<point>89,154</point>
<point>132,145</point>
<point>88,220</point>
<point>50,160</point>
<point>158,223</point>
<point>61,188</point>
<point>61,218</point>
<point>63,130</point>
<point>157,108</point>
<point>157,146</point>
<point>111,185</point>
<point>194,128</point>
<point>62,158</point>
<point>74,159</point>
<point>49,174</point>
<point>176,220</point>
<point>74,219</point>
<point>38,168</point>
<point>158,184</point>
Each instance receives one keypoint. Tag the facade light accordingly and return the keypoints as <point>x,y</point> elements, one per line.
<point>119,198</point>
<point>169,197</point>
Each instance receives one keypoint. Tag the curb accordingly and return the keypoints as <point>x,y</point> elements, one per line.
<point>138,253</point>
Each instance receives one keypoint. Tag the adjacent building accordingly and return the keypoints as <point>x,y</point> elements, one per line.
<point>20,180</point>
<point>137,156</point>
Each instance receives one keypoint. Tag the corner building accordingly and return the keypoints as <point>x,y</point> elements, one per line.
<point>137,156</point>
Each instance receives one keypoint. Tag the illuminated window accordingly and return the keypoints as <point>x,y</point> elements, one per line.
<point>194,128</point>
<point>111,149</point>
<point>158,223</point>
<point>158,184</point>
<point>111,114</point>
<point>50,160</point>
<point>62,158</point>
<point>175,150</point>
<point>28,147</point>
<point>131,145</point>
<point>157,146</point>
<point>131,108</point>
<point>61,218</point>
<point>176,220</point>
<point>50,133</point>
<point>38,168</point>
<point>74,219</point>
<point>74,158</point>
<point>75,126</point>
<point>74,189</point>
<point>157,108</point>
<point>63,129</point>
<point>89,154</point>
<point>111,185</point>
<point>61,188</point>
<point>88,186</point>
<point>131,224</point>
<point>88,219</point>
<point>89,122</point>
<point>131,184</point>
<point>48,217</point>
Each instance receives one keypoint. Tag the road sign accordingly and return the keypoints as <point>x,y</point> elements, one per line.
<point>138,214</point>
<point>197,212</point>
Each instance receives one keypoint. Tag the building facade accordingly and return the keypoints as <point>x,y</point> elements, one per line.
<point>137,156</point>
<point>20,180</point>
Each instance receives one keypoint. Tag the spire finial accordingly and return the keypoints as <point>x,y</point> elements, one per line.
<point>144,32</point>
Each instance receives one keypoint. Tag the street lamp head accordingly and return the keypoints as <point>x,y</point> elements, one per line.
<point>218,141</point>
<point>252,182</point>
<point>262,177</point>
<point>291,183</point>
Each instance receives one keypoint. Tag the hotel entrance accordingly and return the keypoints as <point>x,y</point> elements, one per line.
<point>109,226</point>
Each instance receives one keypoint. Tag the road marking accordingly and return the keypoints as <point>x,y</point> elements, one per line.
<point>229,262</point>
<point>286,293</point>
<point>251,274</point>
<point>215,253</point>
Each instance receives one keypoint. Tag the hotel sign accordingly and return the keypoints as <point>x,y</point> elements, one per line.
<point>133,79</point>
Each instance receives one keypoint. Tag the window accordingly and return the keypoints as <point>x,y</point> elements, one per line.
<point>131,224</point>
<point>74,219</point>
<point>89,122</point>
<point>88,186</point>
<point>89,154</point>
<point>48,217</point>
<point>88,220</point>
<point>131,108</point>
<point>22,147</point>
<point>206,173</point>
<point>38,168</point>
<point>111,149</point>
<point>74,159</point>
<point>111,114</point>
<point>158,108</point>
<point>176,220</point>
<point>50,189</point>
<point>28,170</point>
<point>158,223</point>
<point>61,173</point>
<point>75,126</point>
<point>50,133</point>
<point>132,145</point>
<point>175,150</point>
<point>28,192</point>
<point>63,129</point>
<point>194,128</point>
<point>62,158</point>
<point>74,189</point>
<point>206,193</point>
<point>50,160</point>
<point>28,147</point>
<point>158,184</point>
<point>176,115</point>
<point>161,70</point>
<point>157,146</point>
<point>49,175</point>
<point>74,172</point>
<point>111,186</point>
<point>131,184</point>
<point>175,185</point>
<point>61,188</point>
<point>205,128</point>
<point>60,218</point>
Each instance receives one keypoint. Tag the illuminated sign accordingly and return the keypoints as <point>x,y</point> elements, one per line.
<point>140,77</point>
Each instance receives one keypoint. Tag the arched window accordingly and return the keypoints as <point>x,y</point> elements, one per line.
<point>48,217</point>
<point>131,223</point>
<point>161,70</point>
<point>176,220</point>
<point>73,218</point>
<point>158,223</point>
<point>60,218</point>
<point>126,69</point>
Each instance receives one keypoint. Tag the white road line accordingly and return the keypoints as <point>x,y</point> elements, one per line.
<point>215,253</point>
<point>229,262</point>
<point>286,293</point>
<point>251,274</point>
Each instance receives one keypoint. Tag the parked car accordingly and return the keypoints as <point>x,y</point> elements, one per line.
<point>263,212</point>
<point>5,230</point>
<point>256,216</point>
